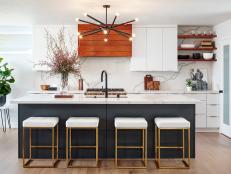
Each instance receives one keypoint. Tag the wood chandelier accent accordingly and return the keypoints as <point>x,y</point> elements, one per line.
<point>105,27</point>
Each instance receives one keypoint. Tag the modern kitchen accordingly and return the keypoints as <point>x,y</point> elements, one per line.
<point>115,87</point>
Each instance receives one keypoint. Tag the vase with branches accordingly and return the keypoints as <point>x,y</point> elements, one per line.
<point>62,57</point>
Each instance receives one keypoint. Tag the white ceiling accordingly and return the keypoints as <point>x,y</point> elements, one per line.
<point>201,12</point>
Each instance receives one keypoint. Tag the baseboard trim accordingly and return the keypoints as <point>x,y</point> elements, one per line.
<point>207,129</point>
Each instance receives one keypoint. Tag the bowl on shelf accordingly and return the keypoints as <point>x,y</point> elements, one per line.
<point>208,56</point>
<point>187,45</point>
<point>44,87</point>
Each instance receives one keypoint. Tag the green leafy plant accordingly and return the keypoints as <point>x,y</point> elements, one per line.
<point>188,82</point>
<point>6,78</point>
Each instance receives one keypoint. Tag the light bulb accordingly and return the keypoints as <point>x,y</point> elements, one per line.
<point>136,19</point>
<point>133,35</point>
<point>85,14</point>
<point>130,39</point>
<point>80,36</point>
<point>105,39</point>
<point>77,19</point>
<point>117,14</point>
<point>104,31</point>
<point>78,33</point>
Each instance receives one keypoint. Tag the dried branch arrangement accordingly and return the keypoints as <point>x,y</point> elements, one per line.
<point>62,58</point>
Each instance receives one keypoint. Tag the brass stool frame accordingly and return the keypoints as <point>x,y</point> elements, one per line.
<point>158,147</point>
<point>26,164</point>
<point>69,147</point>
<point>143,147</point>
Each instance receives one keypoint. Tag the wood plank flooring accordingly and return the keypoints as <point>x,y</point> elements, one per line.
<point>213,156</point>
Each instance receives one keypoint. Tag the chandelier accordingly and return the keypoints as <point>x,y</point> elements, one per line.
<point>105,27</point>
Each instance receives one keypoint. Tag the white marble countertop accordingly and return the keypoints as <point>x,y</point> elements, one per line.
<point>131,99</point>
<point>137,92</point>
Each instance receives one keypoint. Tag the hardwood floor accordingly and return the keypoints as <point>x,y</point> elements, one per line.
<point>212,149</point>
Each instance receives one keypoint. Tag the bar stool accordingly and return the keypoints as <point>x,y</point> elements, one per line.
<point>175,123</point>
<point>86,123</point>
<point>40,123</point>
<point>122,123</point>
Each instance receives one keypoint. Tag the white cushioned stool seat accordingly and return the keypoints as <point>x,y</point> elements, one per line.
<point>174,122</point>
<point>128,122</point>
<point>48,122</point>
<point>88,122</point>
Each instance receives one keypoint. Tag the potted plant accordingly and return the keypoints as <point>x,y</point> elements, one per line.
<point>188,83</point>
<point>6,79</point>
<point>62,58</point>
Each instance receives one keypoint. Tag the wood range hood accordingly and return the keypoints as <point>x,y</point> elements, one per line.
<point>95,46</point>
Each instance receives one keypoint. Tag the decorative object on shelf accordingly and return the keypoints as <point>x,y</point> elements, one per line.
<point>208,56</point>
<point>196,55</point>
<point>62,57</point>
<point>208,43</point>
<point>188,83</point>
<point>183,56</point>
<point>187,45</point>
<point>199,79</point>
<point>6,79</point>
<point>105,27</point>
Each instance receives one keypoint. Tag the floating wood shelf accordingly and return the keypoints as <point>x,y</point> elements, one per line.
<point>196,60</point>
<point>197,49</point>
<point>192,36</point>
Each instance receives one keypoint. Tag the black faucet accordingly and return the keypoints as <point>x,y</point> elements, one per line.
<point>106,89</point>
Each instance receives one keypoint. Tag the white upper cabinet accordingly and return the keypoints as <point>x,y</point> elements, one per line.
<point>138,62</point>
<point>154,49</point>
<point>170,49</point>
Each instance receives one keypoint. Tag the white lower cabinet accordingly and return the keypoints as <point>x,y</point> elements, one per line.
<point>207,112</point>
<point>200,120</point>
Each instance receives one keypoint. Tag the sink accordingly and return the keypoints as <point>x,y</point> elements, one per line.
<point>100,93</point>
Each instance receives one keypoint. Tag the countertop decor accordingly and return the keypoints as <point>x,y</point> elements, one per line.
<point>62,57</point>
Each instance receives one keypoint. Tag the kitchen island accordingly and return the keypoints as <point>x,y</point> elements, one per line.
<point>135,105</point>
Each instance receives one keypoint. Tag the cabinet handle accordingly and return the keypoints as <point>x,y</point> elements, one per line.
<point>212,116</point>
<point>213,104</point>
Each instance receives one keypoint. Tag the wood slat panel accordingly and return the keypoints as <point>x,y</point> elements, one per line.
<point>112,43</point>
<point>105,48</point>
<point>94,45</point>
<point>104,54</point>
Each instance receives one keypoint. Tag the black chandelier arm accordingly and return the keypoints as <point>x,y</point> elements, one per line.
<point>89,23</point>
<point>119,31</point>
<point>109,28</point>
<point>93,32</point>
<point>96,20</point>
<point>122,33</point>
<point>124,23</point>
<point>90,31</point>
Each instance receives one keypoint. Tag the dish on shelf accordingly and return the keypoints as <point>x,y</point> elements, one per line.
<point>187,45</point>
<point>183,56</point>
<point>208,56</point>
<point>44,87</point>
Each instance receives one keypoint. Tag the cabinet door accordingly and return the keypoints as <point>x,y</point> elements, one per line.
<point>154,49</point>
<point>138,60</point>
<point>170,49</point>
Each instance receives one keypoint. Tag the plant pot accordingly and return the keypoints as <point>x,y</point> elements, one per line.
<point>2,100</point>
<point>189,88</point>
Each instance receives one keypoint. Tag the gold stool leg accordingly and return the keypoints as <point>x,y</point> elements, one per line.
<point>189,150</point>
<point>183,145</point>
<point>97,146</point>
<point>67,147</point>
<point>158,146</point>
<point>52,146</point>
<point>116,151</point>
<point>23,148</point>
<point>30,139</point>
<point>146,147</point>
